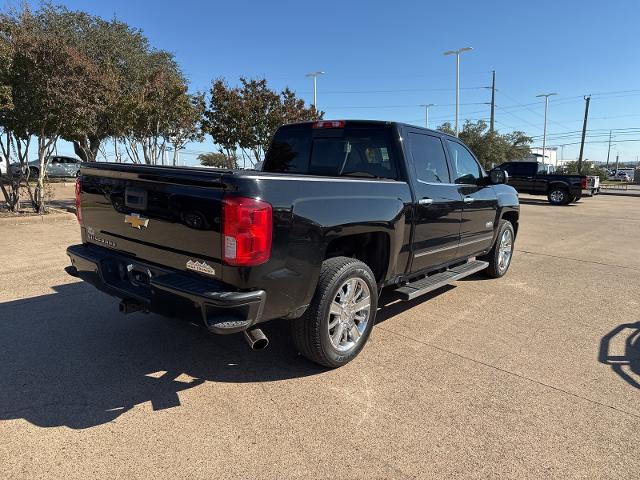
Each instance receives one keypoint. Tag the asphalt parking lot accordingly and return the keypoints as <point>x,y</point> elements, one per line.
<point>536,375</point>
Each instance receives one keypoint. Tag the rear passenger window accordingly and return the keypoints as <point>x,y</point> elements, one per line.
<point>429,158</point>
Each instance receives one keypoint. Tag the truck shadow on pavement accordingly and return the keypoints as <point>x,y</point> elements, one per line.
<point>542,201</point>
<point>71,359</point>
<point>620,349</point>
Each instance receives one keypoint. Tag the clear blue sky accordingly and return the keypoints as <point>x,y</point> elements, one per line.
<point>383,59</point>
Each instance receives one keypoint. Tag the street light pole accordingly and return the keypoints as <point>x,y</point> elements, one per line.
<point>457,54</point>
<point>609,149</point>
<point>426,113</point>
<point>315,76</point>
<point>544,135</point>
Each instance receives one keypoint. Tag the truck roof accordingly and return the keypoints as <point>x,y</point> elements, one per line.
<point>374,122</point>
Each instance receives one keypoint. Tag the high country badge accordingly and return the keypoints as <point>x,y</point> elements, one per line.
<point>201,267</point>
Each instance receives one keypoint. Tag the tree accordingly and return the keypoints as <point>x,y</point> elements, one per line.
<point>491,148</point>
<point>588,168</point>
<point>67,74</point>
<point>246,117</point>
<point>218,160</point>
<point>185,124</point>
<point>224,117</point>
<point>51,83</point>
<point>156,110</point>
<point>117,51</point>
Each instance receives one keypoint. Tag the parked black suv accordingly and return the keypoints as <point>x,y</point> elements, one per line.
<point>340,211</point>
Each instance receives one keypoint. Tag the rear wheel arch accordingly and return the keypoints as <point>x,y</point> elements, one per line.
<point>371,248</point>
<point>553,186</point>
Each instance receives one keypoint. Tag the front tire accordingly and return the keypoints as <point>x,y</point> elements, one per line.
<point>339,320</point>
<point>500,256</point>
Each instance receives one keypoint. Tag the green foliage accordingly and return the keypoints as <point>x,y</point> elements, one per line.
<point>52,84</point>
<point>67,74</point>
<point>246,117</point>
<point>491,148</point>
<point>588,168</point>
<point>218,160</point>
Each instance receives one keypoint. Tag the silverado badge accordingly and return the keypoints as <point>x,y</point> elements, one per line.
<point>201,267</point>
<point>136,221</point>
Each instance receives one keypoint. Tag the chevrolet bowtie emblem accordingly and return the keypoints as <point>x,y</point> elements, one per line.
<point>136,221</point>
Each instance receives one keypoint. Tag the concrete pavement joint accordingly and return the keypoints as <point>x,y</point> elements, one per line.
<point>579,260</point>
<point>532,380</point>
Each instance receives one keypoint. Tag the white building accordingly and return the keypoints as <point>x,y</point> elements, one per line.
<point>550,155</point>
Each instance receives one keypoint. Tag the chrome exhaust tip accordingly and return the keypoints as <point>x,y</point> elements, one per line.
<point>256,339</point>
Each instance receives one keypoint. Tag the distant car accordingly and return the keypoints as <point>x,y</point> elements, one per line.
<point>620,177</point>
<point>58,166</point>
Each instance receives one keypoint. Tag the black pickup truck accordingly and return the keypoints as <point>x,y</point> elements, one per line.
<point>340,211</point>
<point>537,178</point>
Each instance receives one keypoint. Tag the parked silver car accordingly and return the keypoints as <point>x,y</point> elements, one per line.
<point>59,166</point>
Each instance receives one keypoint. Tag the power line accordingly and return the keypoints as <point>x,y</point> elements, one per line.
<point>413,105</point>
<point>351,92</point>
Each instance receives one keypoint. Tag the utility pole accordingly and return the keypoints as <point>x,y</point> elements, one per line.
<point>315,76</point>
<point>457,54</point>
<point>544,135</point>
<point>609,149</point>
<point>587,99</point>
<point>493,101</point>
<point>617,160</point>
<point>426,113</point>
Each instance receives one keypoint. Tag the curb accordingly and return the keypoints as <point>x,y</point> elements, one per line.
<point>58,216</point>
<point>619,194</point>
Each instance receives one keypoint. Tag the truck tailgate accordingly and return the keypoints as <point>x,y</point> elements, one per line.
<point>165,215</point>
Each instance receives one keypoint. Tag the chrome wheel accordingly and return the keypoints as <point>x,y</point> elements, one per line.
<point>557,196</point>
<point>505,250</point>
<point>349,314</point>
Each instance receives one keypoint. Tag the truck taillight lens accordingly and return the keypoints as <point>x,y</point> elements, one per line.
<point>584,182</point>
<point>78,205</point>
<point>246,231</point>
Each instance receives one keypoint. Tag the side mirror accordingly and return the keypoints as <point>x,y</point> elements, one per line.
<point>498,176</point>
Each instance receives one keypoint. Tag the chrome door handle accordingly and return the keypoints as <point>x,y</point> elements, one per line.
<point>425,201</point>
<point>468,199</point>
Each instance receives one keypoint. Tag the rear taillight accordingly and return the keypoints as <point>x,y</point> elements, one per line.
<point>584,182</point>
<point>246,231</point>
<point>329,124</point>
<point>78,205</point>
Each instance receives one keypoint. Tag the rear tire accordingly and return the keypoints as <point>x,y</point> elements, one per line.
<point>500,256</point>
<point>558,196</point>
<point>339,320</point>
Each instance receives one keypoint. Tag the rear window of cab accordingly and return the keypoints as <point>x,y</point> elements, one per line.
<point>355,150</point>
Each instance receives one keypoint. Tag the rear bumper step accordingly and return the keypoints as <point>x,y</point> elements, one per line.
<point>438,280</point>
<point>165,291</point>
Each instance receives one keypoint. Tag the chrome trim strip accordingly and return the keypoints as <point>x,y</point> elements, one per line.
<point>434,250</point>
<point>442,249</point>
<point>476,240</point>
